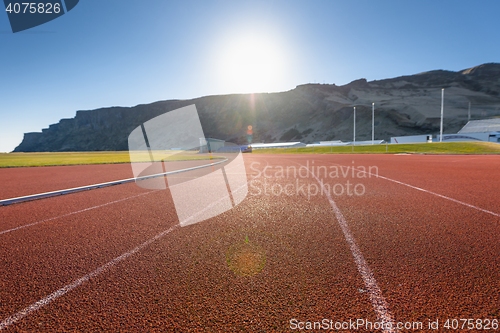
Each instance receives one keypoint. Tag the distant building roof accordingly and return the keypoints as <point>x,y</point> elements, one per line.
<point>277,145</point>
<point>366,143</point>
<point>481,126</point>
<point>327,143</point>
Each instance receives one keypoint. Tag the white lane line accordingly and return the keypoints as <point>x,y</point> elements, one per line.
<point>72,213</point>
<point>427,191</point>
<point>64,290</point>
<point>378,301</point>
<point>442,196</point>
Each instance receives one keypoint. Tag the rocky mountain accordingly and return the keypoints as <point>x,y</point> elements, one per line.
<point>405,105</point>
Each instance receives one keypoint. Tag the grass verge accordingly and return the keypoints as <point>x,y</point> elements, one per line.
<point>414,148</point>
<point>8,160</point>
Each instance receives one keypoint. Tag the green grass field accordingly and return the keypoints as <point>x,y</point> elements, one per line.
<point>414,148</point>
<point>78,158</point>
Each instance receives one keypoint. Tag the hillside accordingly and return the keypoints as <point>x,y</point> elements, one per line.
<point>405,105</point>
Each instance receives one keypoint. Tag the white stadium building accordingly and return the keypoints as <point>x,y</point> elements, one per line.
<point>475,130</point>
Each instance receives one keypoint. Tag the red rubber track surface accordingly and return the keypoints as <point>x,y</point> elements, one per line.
<point>18,182</point>
<point>431,257</point>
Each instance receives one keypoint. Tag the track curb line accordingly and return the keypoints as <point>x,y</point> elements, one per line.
<point>11,201</point>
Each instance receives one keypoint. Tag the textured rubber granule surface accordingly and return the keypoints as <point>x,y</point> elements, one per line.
<point>431,257</point>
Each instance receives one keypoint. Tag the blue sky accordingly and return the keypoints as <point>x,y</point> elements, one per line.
<point>124,53</point>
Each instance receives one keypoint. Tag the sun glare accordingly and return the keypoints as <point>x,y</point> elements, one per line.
<point>251,64</point>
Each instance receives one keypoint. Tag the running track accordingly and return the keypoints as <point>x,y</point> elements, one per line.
<point>421,243</point>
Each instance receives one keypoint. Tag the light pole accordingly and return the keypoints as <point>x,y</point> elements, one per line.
<point>468,114</point>
<point>354,131</point>
<point>373,123</point>
<point>442,110</point>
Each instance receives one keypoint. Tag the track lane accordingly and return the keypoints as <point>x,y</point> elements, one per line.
<point>25,181</point>
<point>430,258</point>
<point>40,259</point>
<point>471,179</point>
<point>45,210</point>
<point>306,238</point>
<point>434,258</point>
<point>18,182</point>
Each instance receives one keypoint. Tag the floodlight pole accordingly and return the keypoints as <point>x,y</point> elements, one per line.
<point>354,131</point>
<point>442,111</point>
<point>373,123</point>
<point>468,114</point>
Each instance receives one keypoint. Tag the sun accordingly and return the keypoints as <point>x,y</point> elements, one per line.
<point>251,63</point>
